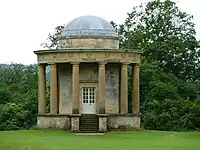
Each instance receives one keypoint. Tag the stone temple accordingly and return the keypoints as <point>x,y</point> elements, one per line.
<point>88,80</point>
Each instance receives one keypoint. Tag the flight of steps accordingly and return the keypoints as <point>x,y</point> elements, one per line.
<point>89,123</point>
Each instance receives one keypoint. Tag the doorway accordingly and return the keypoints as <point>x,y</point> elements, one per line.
<point>89,100</point>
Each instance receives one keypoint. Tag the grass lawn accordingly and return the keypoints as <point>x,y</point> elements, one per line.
<point>129,140</point>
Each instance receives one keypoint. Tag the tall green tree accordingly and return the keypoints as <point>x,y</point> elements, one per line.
<point>165,34</point>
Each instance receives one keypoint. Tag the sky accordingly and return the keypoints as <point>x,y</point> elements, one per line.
<point>25,24</point>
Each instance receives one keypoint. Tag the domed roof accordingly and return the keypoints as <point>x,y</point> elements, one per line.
<point>89,26</point>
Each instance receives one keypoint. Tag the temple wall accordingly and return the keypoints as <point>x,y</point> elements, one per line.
<point>65,88</point>
<point>112,88</point>
<point>88,76</point>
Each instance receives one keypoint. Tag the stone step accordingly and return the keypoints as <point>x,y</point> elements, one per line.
<point>88,116</point>
<point>89,123</point>
<point>88,129</point>
<point>89,120</point>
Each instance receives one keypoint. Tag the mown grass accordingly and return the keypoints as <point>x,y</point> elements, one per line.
<point>123,140</point>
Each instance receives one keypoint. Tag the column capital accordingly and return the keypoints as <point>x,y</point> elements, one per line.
<point>124,63</point>
<point>41,65</point>
<point>75,62</point>
<point>53,65</point>
<point>136,64</point>
<point>101,63</point>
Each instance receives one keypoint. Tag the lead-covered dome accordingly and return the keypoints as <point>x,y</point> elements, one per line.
<point>89,32</point>
<point>89,26</point>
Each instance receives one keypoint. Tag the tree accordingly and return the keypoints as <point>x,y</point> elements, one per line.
<point>18,96</point>
<point>165,34</point>
<point>52,40</point>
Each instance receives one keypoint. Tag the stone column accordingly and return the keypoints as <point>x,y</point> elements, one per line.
<point>124,89</point>
<point>135,89</point>
<point>75,87</point>
<point>53,89</point>
<point>41,89</point>
<point>102,90</point>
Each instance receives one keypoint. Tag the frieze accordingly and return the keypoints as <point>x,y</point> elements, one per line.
<point>107,56</point>
<point>110,57</point>
<point>70,55</point>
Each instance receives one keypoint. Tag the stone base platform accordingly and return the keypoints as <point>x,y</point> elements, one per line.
<point>71,121</point>
<point>123,121</point>
<point>54,121</point>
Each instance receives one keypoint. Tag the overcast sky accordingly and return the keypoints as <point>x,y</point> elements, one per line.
<point>25,24</point>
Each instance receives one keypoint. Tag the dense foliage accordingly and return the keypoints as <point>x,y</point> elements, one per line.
<point>18,96</point>
<point>170,65</point>
<point>169,77</point>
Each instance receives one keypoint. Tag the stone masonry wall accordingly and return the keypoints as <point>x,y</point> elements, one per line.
<point>112,88</point>
<point>88,73</point>
<point>65,94</point>
<point>89,43</point>
<point>55,122</point>
<point>123,122</point>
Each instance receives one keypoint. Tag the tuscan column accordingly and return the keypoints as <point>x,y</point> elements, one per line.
<point>41,89</point>
<point>75,87</point>
<point>135,89</point>
<point>53,89</point>
<point>124,89</point>
<point>102,91</point>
